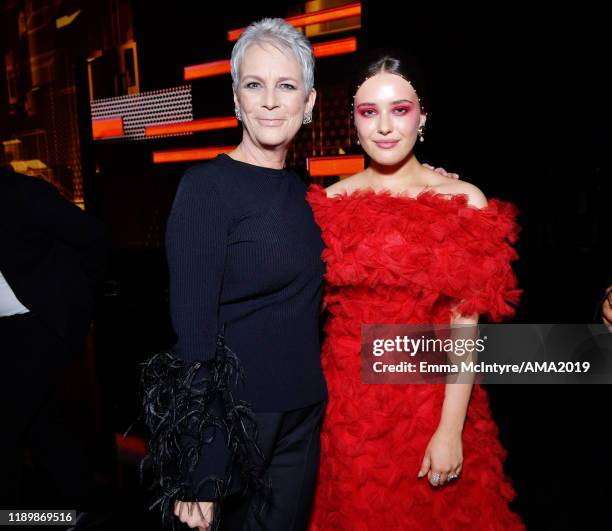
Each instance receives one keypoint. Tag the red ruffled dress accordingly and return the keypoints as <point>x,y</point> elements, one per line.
<point>393,260</point>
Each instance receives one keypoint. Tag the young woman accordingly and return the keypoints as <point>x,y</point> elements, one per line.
<point>408,245</point>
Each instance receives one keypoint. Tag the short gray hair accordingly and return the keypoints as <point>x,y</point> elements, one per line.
<point>281,35</point>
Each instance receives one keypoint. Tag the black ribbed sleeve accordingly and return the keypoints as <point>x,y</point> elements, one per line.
<point>196,249</point>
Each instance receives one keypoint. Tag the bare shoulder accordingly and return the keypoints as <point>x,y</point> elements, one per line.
<point>348,185</point>
<point>456,187</point>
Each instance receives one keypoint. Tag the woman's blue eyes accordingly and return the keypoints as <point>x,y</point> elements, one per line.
<point>255,84</point>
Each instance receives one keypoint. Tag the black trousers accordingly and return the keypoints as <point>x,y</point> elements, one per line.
<point>290,442</point>
<point>32,362</point>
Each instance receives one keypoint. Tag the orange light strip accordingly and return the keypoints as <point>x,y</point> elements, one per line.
<point>323,49</point>
<point>216,68</point>
<point>331,166</point>
<point>316,17</point>
<point>107,128</point>
<point>204,124</point>
<point>182,155</point>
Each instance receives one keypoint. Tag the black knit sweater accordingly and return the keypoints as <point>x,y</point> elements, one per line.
<point>244,253</point>
<point>246,276</point>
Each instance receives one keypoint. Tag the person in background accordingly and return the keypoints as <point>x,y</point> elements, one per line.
<point>52,260</point>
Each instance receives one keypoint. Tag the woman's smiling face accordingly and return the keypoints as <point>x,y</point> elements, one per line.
<point>387,117</point>
<point>271,96</point>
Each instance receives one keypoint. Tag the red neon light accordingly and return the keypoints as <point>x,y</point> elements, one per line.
<point>107,128</point>
<point>331,166</point>
<point>131,444</point>
<point>182,155</point>
<point>216,68</point>
<point>205,124</point>
<point>316,17</point>
<point>322,49</point>
<point>325,49</point>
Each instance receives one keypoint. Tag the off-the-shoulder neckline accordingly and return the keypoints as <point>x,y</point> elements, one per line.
<point>425,193</point>
<point>360,192</point>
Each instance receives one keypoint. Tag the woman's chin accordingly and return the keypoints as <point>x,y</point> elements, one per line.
<point>273,143</point>
<point>274,137</point>
<point>388,158</point>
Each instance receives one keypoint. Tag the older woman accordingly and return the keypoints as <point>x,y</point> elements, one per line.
<point>245,287</point>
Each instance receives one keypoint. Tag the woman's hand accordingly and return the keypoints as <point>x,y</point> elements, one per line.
<point>443,456</point>
<point>197,515</point>
<point>443,172</point>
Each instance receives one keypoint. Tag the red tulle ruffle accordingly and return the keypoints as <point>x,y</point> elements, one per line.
<point>407,260</point>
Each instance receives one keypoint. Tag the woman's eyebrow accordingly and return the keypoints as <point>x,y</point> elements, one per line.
<point>252,76</point>
<point>392,103</point>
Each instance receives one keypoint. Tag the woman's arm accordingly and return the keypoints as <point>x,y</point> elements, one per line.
<point>183,398</point>
<point>444,453</point>
<point>457,395</point>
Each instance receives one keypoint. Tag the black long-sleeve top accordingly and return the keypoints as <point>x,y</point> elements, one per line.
<point>244,254</point>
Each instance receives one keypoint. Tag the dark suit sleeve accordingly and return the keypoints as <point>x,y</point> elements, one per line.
<point>67,224</point>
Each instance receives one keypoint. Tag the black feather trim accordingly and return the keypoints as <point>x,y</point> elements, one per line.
<point>185,406</point>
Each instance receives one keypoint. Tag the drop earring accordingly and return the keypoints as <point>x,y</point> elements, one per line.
<point>421,135</point>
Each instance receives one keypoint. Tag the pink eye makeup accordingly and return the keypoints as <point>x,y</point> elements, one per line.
<point>401,109</point>
<point>368,110</point>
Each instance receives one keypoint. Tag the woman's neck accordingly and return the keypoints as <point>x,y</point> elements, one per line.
<point>247,151</point>
<point>397,176</point>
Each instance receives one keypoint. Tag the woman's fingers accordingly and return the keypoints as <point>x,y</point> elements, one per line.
<point>196,515</point>
<point>425,465</point>
<point>437,478</point>
<point>184,512</point>
<point>453,475</point>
